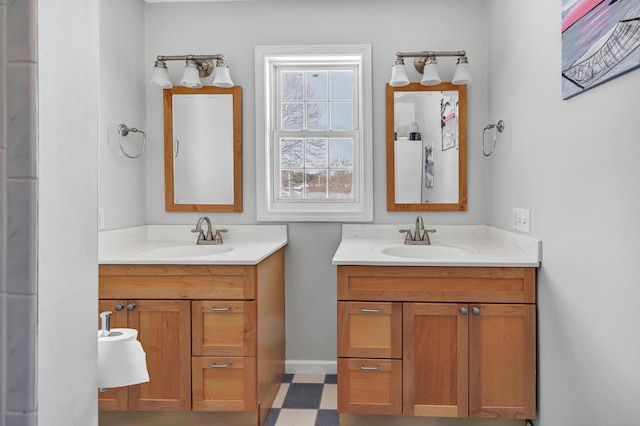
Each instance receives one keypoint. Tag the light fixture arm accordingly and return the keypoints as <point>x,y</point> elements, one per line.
<point>204,63</point>
<point>421,57</point>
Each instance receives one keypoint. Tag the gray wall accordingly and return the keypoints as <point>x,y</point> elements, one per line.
<point>574,163</point>
<point>234,29</point>
<point>18,194</point>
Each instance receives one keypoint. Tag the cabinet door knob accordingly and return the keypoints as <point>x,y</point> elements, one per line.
<point>464,311</point>
<point>476,311</point>
<point>214,365</point>
<point>375,311</point>
<point>214,309</point>
<point>362,367</point>
<point>131,306</point>
<point>119,307</point>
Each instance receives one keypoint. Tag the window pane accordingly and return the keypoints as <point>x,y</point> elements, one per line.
<point>291,85</point>
<point>341,184</point>
<point>342,116</point>
<point>292,115</point>
<point>291,184</point>
<point>316,153</point>
<point>291,153</point>
<point>342,85</point>
<point>317,117</point>
<point>316,185</point>
<point>317,88</point>
<point>341,152</point>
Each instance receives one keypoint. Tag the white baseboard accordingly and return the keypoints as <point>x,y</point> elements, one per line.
<point>296,366</point>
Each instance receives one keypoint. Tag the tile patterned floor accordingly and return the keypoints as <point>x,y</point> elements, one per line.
<point>306,400</point>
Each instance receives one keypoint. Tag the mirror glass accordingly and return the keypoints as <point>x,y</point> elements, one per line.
<point>203,149</point>
<point>427,147</point>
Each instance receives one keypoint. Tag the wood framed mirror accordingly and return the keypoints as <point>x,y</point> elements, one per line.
<point>203,149</point>
<point>427,147</point>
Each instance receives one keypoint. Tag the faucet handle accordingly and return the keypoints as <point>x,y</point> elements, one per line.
<point>217,237</point>
<point>409,234</point>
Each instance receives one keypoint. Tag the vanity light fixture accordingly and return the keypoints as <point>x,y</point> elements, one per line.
<point>426,64</point>
<point>196,67</point>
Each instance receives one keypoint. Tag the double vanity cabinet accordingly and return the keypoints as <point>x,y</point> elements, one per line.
<point>447,330</point>
<point>212,327</point>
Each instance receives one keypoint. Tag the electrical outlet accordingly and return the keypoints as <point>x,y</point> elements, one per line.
<point>100,218</point>
<point>521,220</point>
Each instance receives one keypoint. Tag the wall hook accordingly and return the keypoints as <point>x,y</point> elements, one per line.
<point>497,128</point>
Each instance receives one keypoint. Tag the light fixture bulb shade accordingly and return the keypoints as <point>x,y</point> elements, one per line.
<point>222,77</point>
<point>398,76</point>
<point>462,74</point>
<point>160,78</point>
<point>430,75</point>
<point>190,77</point>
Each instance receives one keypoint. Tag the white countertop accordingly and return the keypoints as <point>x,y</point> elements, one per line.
<point>454,245</point>
<point>246,245</point>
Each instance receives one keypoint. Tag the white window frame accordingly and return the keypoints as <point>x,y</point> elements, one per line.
<point>269,208</point>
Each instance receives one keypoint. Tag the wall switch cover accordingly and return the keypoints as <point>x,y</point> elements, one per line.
<point>101,218</point>
<point>521,220</point>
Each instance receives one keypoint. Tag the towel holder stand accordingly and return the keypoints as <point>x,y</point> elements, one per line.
<point>497,128</point>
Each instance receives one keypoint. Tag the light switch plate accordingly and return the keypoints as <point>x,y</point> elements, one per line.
<point>101,218</point>
<point>521,220</point>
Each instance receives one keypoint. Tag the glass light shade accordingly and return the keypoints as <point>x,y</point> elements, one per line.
<point>160,77</point>
<point>222,77</point>
<point>462,74</point>
<point>430,76</point>
<point>190,77</point>
<point>398,76</point>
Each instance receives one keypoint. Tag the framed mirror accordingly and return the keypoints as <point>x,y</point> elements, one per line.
<point>427,147</point>
<point>203,149</point>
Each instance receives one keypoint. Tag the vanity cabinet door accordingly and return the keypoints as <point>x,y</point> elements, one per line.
<point>223,328</point>
<point>435,365</point>
<point>502,365</point>
<point>370,330</point>
<point>165,334</point>
<point>224,383</point>
<point>114,398</point>
<point>370,386</point>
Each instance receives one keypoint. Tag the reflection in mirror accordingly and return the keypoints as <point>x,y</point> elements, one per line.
<point>426,148</point>
<point>203,149</point>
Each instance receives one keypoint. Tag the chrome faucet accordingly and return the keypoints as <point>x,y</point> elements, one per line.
<point>211,237</point>
<point>420,235</point>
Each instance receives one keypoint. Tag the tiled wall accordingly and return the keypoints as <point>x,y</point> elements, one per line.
<point>18,195</point>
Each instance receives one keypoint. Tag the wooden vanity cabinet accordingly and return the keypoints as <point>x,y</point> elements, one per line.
<point>163,330</point>
<point>213,335</point>
<point>467,337</point>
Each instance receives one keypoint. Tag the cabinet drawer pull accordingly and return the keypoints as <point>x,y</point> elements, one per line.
<point>214,365</point>
<point>362,367</point>
<point>375,311</point>
<point>214,309</point>
<point>476,311</point>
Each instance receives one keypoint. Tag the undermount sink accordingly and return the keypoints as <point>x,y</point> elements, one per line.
<point>433,251</point>
<point>185,250</point>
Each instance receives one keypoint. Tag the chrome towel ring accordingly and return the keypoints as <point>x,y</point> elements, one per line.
<point>123,130</point>
<point>497,128</point>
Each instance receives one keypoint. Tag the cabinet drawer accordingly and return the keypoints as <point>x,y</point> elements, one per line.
<point>370,330</point>
<point>436,284</point>
<point>223,328</point>
<point>177,281</point>
<point>369,386</point>
<point>224,383</point>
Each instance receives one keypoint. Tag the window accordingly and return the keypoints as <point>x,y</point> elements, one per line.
<point>313,127</point>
